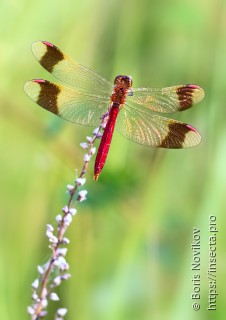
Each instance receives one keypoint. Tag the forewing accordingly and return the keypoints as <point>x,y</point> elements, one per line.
<point>68,70</point>
<point>168,100</point>
<point>155,131</point>
<point>67,103</point>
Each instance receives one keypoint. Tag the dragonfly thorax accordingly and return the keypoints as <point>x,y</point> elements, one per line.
<point>122,86</point>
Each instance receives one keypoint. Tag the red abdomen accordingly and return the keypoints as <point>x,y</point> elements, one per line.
<point>105,141</point>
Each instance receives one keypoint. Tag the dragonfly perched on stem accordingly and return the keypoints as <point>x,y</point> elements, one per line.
<point>93,99</point>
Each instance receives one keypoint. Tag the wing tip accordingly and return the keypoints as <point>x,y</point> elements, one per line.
<point>192,137</point>
<point>32,88</point>
<point>41,42</point>
<point>198,94</point>
<point>30,82</point>
<point>180,136</point>
<point>48,44</point>
<point>39,80</point>
<point>40,47</point>
<point>189,95</point>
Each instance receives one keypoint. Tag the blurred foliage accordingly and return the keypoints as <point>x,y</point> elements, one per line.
<point>130,251</point>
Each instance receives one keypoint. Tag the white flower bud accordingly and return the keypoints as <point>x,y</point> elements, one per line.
<point>43,313</point>
<point>93,150</point>
<point>44,303</point>
<point>30,310</point>
<point>84,145</point>
<point>35,284</point>
<point>61,312</point>
<point>65,240</point>
<point>65,276</point>
<point>40,269</point>
<point>86,157</point>
<point>59,218</point>
<point>57,280</point>
<point>67,219</point>
<point>65,209</point>
<point>80,181</point>
<point>49,227</point>
<point>96,131</point>
<point>54,297</point>
<point>61,252</point>
<point>89,139</point>
<point>72,211</point>
<point>53,239</point>
<point>82,195</point>
<point>70,187</point>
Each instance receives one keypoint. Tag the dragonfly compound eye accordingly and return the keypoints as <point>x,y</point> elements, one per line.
<point>125,81</point>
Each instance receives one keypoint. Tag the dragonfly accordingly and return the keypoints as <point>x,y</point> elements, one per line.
<point>133,111</point>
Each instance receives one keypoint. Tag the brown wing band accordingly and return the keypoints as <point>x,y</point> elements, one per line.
<point>176,136</point>
<point>48,96</point>
<point>51,57</point>
<point>185,96</point>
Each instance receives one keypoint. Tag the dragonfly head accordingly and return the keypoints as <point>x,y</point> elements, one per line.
<point>123,81</point>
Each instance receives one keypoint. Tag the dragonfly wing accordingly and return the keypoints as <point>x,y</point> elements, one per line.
<point>67,103</point>
<point>168,100</point>
<point>68,70</point>
<point>155,131</point>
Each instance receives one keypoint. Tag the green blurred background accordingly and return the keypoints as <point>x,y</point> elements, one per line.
<point>130,253</point>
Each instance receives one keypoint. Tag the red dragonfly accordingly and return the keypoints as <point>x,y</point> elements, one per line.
<point>93,96</point>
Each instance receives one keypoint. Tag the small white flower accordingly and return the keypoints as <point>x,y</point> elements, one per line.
<point>54,297</point>
<point>49,227</point>
<point>40,269</point>
<point>89,139</point>
<point>65,240</point>
<point>84,145</point>
<point>35,297</point>
<point>103,125</point>
<point>61,252</point>
<point>59,218</point>
<point>72,211</point>
<point>61,312</point>
<point>67,219</point>
<point>30,310</point>
<point>80,181</point>
<point>44,292</point>
<point>86,157</point>
<point>43,313</point>
<point>96,131</point>
<point>82,195</point>
<point>46,265</point>
<point>65,209</point>
<point>70,187</point>
<point>92,151</point>
<point>44,303</point>
<point>59,261</point>
<point>57,280</point>
<point>53,239</point>
<point>49,234</point>
<point>99,135</point>
<point>64,267</point>
<point>35,284</point>
<point>65,276</point>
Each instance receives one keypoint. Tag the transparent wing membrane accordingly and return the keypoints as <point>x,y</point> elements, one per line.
<point>69,104</point>
<point>69,71</point>
<point>155,131</point>
<point>167,100</point>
